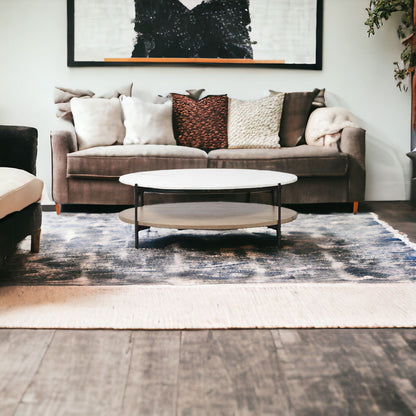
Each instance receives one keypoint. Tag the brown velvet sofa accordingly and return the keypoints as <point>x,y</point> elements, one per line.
<point>91,176</point>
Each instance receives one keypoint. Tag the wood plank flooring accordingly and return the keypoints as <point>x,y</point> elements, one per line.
<point>214,372</point>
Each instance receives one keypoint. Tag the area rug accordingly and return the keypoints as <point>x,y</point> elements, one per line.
<point>334,270</point>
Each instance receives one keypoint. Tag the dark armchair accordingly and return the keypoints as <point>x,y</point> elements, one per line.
<point>18,150</point>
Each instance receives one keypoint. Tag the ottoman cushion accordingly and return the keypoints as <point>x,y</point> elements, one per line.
<point>18,189</point>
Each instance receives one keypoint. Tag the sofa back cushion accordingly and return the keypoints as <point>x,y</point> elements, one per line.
<point>64,95</point>
<point>97,121</point>
<point>319,99</point>
<point>193,93</point>
<point>202,123</point>
<point>296,109</point>
<point>255,123</point>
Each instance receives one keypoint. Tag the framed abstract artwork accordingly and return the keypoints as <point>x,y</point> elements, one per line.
<point>282,33</point>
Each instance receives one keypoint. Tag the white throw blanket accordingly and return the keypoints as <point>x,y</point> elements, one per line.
<point>325,125</point>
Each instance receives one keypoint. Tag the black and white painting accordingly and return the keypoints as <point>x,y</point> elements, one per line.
<point>119,32</point>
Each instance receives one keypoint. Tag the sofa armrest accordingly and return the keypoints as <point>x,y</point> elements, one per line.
<point>62,143</point>
<point>352,142</point>
<point>19,147</point>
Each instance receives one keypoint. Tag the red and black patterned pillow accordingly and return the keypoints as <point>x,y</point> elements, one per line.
<point>202,123</point>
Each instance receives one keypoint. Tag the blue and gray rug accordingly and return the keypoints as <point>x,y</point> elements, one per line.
<point>98,249</point>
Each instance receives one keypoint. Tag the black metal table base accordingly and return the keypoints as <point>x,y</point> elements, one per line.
<point>276,201</point>
<point>138,202</point>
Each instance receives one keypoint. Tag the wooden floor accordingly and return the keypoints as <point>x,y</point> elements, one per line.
<point>233,372</point>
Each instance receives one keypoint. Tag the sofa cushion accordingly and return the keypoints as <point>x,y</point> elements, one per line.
<point>296,109</point>
<point>201,124</point>
<point>114,161</point>
<point>18,189</point>
<point>193,93</point>
<point>301,160</point>
<point>98,121</point>
<point>255,123</point>
<point>319,99</point>
<point>147,123</point>
<point>63,97</point>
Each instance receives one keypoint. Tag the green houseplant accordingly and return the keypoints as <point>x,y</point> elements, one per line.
<point>381,10</point>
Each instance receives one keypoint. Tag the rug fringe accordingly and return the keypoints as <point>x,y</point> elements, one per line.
<point>398,234</point>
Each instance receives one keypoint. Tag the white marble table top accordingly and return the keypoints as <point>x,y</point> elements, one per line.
<point>208,179</point>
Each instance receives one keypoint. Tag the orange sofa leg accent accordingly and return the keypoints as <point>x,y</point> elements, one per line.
<point>58,208</point>
<point>355,207</point>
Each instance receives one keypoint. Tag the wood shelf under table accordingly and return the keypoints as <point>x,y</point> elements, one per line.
<point>208,215</point>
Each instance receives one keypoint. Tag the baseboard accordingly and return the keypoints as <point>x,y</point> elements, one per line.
<point>48,207</point>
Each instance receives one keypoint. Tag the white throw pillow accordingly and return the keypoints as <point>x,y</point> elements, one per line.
<point>147,123</point>
<point>97,121</point>
<point>256,123</point>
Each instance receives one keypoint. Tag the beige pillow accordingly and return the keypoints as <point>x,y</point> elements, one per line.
<point>97,121</point>
<point>255,123</point>
<point>147,123</point>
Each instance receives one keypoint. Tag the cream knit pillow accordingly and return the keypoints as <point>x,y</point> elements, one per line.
<point>255,123</point>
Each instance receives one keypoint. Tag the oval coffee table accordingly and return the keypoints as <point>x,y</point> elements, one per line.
<point>207,215</point>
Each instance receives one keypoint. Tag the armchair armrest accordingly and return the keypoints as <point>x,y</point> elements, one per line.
<point>62,143</point>
<point>352,142</point>
<point>19,147</point>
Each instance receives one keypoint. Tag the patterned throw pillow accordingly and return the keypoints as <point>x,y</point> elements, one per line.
<point>256,123</point>
<point>202,123</point>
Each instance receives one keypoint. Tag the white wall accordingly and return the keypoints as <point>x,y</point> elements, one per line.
<point>357,74</point>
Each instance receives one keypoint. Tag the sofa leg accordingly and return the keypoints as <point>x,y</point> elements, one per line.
<point>58,208</point>
<point>35,241</point>
<point>355,207</point>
